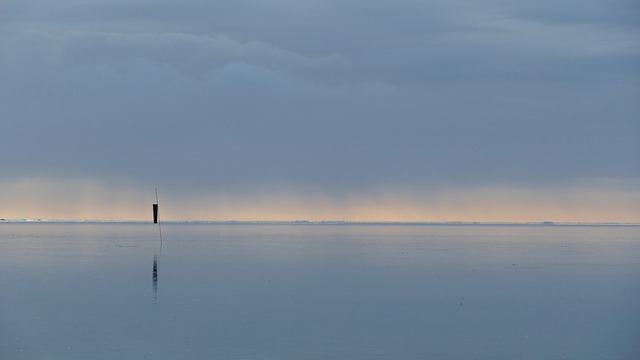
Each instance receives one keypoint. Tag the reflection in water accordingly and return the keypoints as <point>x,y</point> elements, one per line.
<point>155,278</point>
<point>155,267</point>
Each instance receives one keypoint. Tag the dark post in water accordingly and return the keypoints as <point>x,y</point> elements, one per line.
<point>155,213</point>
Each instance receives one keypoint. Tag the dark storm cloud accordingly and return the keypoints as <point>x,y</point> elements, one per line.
<point>320,94</point>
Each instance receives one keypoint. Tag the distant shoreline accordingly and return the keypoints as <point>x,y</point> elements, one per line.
<point>320,222</point>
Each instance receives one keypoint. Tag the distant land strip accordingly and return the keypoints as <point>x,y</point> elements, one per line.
<point>320,222</point>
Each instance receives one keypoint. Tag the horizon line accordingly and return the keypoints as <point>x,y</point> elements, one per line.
<point>322,222</point>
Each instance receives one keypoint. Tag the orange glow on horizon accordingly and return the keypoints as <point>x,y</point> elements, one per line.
<point>82,199</point>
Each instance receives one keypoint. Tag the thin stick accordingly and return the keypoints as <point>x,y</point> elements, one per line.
<point>159,227</point>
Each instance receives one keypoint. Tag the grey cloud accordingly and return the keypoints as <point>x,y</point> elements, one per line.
<point>185,52</point>
<point>153,123</point>
<point>613,13</point>
<point>399,43</point>
<point>503,48</point>
<point>330,95</point>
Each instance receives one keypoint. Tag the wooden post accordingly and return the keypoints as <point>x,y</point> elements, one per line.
<point>155,213</point>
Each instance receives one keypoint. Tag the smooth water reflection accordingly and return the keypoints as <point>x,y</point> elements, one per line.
<point>154,277</point>
<point>81,291</point>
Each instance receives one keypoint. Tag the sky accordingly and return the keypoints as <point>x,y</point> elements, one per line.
<point>407,110</point>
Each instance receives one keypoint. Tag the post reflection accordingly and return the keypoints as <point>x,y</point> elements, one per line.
<point>155,278</point>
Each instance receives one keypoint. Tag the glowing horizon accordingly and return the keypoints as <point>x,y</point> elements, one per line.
<point>84,199</point>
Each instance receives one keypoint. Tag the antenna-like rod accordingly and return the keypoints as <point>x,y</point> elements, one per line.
<point>155,218</point>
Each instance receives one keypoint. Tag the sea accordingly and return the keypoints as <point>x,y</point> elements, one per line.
<point>318,291</point>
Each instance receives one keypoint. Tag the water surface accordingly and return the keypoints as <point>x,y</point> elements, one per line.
<point>219,291</point>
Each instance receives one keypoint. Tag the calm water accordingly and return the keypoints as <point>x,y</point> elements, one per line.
<point>89,291</point>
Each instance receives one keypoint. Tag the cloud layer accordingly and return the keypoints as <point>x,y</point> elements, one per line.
<point>327,98</point>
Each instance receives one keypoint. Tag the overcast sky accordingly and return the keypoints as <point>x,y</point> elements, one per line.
<point>360,110</point>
